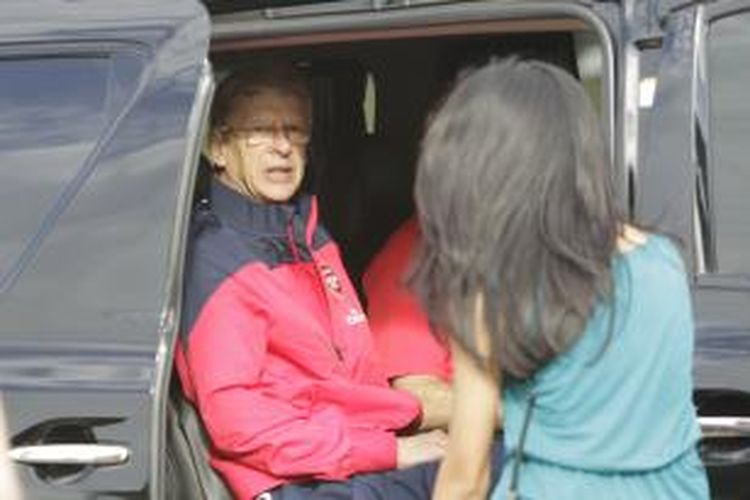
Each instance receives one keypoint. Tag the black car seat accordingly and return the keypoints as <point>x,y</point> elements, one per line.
<point>386,178</point>
<point>189,473</point>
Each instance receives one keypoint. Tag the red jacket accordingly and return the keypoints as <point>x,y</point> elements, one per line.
<point>276,352</point>
<point>399,325</point>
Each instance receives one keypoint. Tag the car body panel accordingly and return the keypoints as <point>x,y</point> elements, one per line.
<point>673,178</point>
<point>89,226</point>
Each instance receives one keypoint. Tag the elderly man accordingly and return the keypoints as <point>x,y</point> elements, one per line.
<point>275,350</point>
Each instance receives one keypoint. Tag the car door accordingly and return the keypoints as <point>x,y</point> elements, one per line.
<point>695,180</point>
<point>722,287</point>
<point>101,105</point>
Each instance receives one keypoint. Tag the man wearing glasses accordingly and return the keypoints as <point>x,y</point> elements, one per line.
<point>275,351</point>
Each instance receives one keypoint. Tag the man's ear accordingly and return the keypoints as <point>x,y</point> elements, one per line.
<point>216,150</point>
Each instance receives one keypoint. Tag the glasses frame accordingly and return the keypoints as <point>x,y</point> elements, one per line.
<point>261,134</point>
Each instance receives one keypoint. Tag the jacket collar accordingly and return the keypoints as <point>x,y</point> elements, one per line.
<point>249,216</point>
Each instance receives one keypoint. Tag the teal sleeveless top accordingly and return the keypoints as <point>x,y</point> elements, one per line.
<point>613,416</point>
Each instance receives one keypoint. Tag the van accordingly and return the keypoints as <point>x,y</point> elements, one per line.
<point>103,111</point>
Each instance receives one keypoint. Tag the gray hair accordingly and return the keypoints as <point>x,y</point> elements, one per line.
<point>284,77</point>
<point>516,201</point>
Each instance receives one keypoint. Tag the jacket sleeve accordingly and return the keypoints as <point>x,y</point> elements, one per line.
<point>250,424</point>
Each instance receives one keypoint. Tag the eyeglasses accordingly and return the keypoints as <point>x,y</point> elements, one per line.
<point>260,132</point>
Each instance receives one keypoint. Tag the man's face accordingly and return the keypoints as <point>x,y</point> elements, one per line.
<point>263,147</point>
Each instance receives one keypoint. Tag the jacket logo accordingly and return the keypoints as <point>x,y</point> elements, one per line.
<point>355,317</point>
<point>330,279</point>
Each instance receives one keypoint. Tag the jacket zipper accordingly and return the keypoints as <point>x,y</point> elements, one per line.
<point>335,349</point>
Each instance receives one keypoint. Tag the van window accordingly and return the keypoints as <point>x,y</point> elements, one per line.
<point>53,109</point>
<point>729,80</point>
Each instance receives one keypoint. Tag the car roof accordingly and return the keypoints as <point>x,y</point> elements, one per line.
<point>234,6</point>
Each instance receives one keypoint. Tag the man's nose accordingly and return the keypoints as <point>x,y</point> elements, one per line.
<point>280,140</point>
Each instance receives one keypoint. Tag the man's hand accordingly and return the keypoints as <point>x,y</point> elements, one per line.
<point>434,395</point>
<point>421,448</point>
<point>436,399</point>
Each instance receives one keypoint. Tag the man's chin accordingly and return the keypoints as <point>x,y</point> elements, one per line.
<point>279,193</point>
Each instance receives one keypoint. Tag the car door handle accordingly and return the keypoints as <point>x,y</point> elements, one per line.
<point>70,454</point>
<point>725,427</point>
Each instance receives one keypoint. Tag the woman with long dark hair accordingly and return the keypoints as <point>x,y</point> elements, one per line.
<point>581,321</point>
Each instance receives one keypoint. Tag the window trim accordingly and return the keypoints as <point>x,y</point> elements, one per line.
<point>171,309</point>
<point>708,273</point>
<point>247,32</point>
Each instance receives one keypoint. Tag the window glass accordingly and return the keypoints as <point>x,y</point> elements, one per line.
<point>729,81</point>
<point>53,110</point>
<point>589,64</point>
<point>369,104</point>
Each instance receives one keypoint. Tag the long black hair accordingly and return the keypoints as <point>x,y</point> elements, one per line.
<point>515,197</point>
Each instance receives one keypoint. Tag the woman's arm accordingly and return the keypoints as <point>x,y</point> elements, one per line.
<point>465,470</point>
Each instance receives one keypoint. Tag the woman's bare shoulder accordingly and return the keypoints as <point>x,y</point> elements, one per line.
<point>630,238</point>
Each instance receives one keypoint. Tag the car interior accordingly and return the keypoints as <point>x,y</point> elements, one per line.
<point>372,94</point>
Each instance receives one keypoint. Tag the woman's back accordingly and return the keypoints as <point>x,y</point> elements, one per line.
<point>613,416</point>
<point>522,234</point>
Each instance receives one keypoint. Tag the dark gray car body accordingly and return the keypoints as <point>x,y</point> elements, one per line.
<point>94,196</point>
<point>94,185</point>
